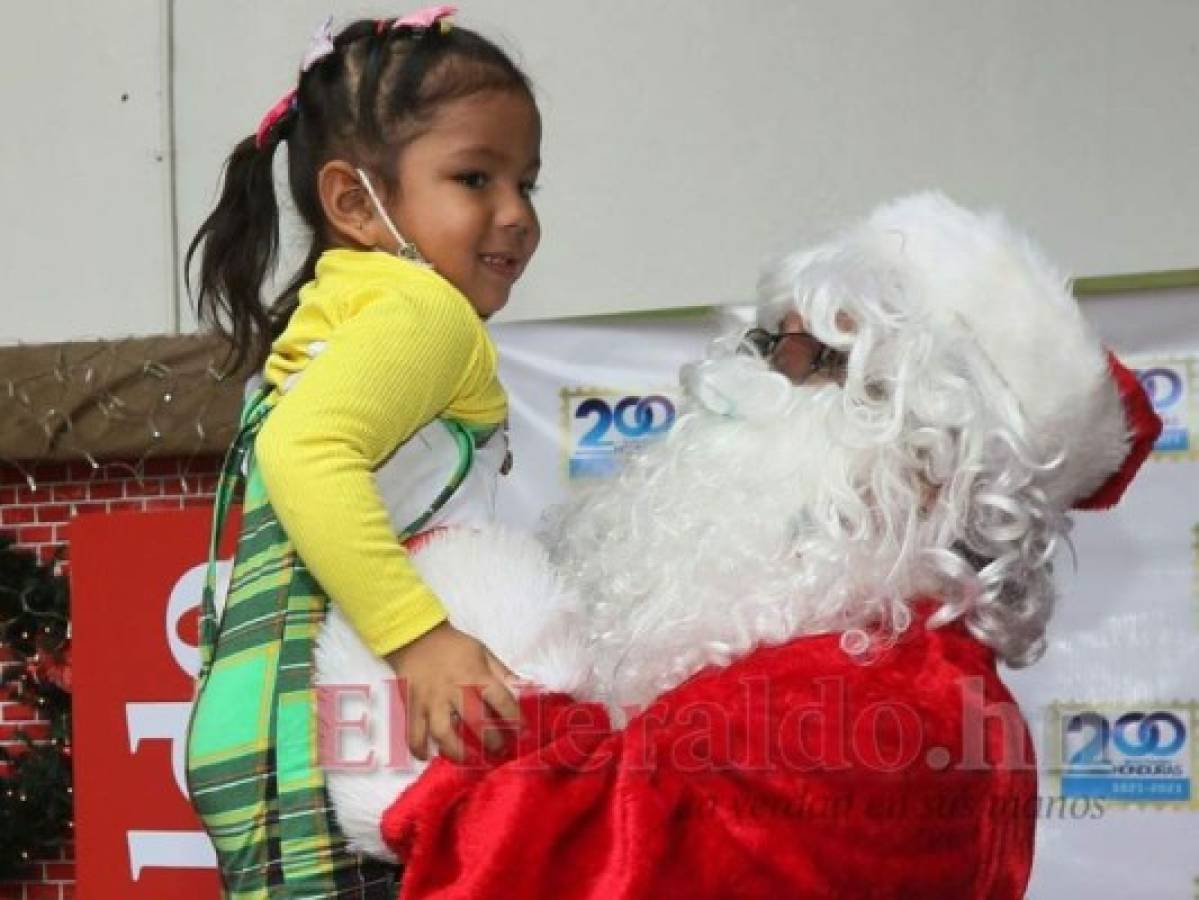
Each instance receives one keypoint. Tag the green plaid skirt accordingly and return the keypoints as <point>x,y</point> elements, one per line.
<point>252,766</point>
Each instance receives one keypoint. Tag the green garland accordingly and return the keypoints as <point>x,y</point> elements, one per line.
<point>36,804</point>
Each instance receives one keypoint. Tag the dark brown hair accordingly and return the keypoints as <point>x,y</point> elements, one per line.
<point>364,102</point>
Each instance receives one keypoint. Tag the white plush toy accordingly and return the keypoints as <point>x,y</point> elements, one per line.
<point>502,590</point>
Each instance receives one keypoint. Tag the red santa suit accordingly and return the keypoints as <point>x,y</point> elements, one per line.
<point>794,772</point>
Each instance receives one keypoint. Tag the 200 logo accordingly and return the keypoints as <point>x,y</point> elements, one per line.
<point>1133,734</point>
<point>632,417</point>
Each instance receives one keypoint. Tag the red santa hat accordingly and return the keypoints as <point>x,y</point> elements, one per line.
<point>977,280</point>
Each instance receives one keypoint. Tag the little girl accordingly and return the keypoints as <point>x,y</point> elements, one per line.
<point>412,152</point>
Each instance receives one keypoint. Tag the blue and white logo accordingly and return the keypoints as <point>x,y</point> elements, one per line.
<point>1137,755</point>
<point>603,425</point>
<point>1166,385</point>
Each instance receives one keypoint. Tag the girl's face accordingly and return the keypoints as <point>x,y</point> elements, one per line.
<point>464,194</point>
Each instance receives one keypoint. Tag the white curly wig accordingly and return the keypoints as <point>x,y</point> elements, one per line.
<point>976,407</point>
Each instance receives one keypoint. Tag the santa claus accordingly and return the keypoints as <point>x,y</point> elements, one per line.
<point>767,655</point>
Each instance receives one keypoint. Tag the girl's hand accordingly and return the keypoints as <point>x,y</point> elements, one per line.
<point>439,669</point>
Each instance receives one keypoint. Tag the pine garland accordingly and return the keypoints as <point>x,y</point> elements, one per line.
<point>36,804</point>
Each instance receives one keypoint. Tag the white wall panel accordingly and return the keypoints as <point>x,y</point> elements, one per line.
<point>85,244</point>
<point>686,140</point>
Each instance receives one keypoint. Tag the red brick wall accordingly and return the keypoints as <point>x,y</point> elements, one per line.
<point>37,517</point>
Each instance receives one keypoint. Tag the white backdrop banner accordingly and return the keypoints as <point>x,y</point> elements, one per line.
<point>1113,704</point>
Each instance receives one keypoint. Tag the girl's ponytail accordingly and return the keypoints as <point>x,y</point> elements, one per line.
<point>238,243</point>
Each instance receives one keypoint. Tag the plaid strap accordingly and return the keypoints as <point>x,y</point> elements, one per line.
<point>230,483</point>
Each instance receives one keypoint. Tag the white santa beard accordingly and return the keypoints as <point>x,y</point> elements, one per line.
<point>736,532</point>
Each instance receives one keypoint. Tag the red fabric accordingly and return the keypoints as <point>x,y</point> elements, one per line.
<point>418,540</point>
<point>1144,427</point>
<point>791,773</point>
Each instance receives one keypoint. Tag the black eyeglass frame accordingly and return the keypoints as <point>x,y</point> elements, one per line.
<point>765,343</point>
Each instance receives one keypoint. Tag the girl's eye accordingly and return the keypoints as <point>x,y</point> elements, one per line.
<point>529,188</point>
<point>473,180</point>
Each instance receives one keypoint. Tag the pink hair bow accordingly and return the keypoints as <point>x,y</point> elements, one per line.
<point>319,47</point>
<point>425,18</point>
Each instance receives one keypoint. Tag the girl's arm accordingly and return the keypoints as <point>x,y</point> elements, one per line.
<point>394,365</point>
<point>399,361</point>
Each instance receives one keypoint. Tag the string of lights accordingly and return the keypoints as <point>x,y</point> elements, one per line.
<point>36,794</point>
<point>130,400</point>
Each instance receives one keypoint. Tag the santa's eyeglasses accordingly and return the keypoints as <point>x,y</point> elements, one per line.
<point>765,343</point>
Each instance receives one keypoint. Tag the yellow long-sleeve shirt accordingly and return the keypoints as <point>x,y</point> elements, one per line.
<point>402,346</point>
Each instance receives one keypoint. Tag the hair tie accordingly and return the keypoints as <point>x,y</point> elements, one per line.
<point>283,106</point>
<point>320,47</point>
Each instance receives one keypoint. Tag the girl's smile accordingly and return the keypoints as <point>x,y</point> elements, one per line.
<point>505,265</point>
